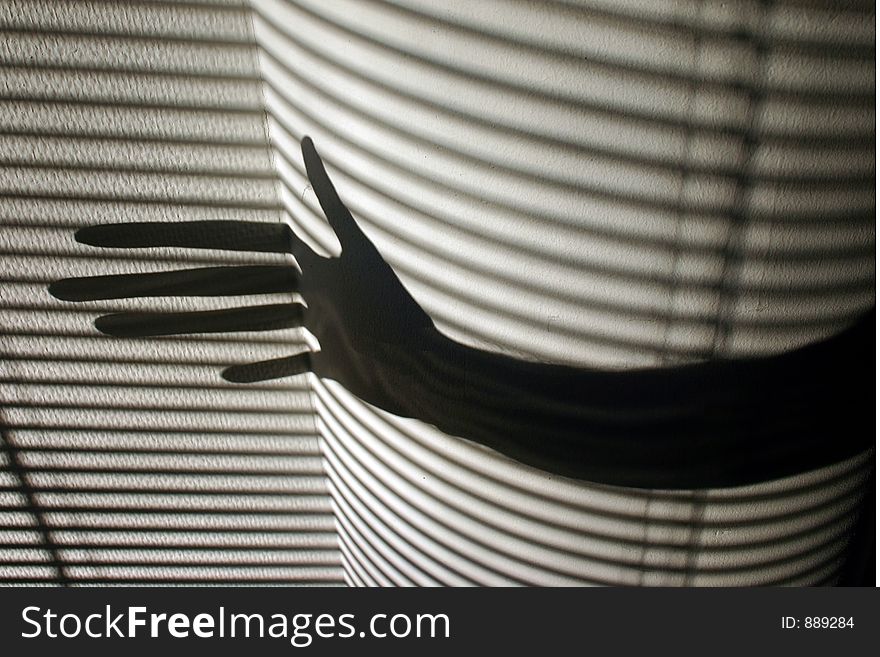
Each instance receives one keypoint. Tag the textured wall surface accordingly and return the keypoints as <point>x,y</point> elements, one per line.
<point>131,460</point>
<point>598,183</point>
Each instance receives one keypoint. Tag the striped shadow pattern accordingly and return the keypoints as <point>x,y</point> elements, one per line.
<point>132,461</point>
<point>594,184</point>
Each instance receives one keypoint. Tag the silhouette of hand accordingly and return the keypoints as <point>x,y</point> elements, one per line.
<point>356,306</point>
<point>712,424</point>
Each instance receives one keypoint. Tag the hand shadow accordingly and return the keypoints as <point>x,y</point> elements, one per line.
<point>712,424</point>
